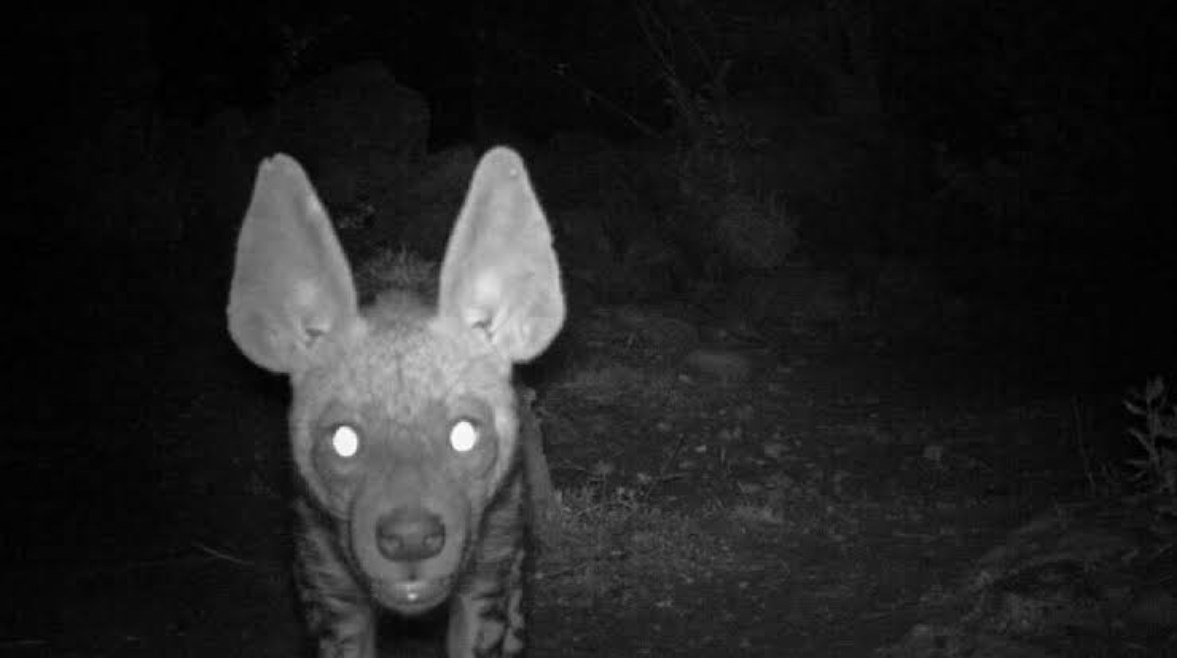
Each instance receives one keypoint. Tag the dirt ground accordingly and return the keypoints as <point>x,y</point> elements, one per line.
<point>802,492</point>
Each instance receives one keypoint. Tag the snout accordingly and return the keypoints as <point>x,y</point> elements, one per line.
<point>410,553</point>
<point>410,534</point>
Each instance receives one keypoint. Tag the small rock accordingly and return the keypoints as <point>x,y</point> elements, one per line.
<point>725,366</point>
<point>934,453</point>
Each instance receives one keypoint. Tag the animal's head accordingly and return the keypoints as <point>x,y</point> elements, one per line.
<point>403,421</point>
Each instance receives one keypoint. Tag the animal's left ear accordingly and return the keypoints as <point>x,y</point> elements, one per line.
<point>292,286</point>
<point>500,276</point>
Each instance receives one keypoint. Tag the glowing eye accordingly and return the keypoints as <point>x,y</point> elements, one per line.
<point>345,441</point>
<point>463,436</point>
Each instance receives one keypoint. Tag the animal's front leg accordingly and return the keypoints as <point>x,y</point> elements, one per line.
<point>486,620</point>
<point>339,614</point>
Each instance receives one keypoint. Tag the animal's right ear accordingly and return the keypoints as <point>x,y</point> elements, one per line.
<point>500,276</point>
<point>291,282</point>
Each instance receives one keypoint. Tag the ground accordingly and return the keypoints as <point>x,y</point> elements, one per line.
<point>803,492</point>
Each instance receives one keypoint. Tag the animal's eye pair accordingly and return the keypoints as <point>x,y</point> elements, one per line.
<point>463,437</point>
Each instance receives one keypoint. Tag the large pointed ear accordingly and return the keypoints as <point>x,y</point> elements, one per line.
<point>500,275</point>
<point>291,282</point>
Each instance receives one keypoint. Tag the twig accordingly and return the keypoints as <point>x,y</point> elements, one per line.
<point>1083,451</point>
<point>223,556</point>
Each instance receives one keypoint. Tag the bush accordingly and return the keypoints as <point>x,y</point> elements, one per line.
<point>1158,437</point>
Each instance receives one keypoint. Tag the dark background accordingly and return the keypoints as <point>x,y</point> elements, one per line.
<point>1059,117</point>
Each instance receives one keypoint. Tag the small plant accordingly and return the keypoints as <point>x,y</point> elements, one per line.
<point>1158,437</point>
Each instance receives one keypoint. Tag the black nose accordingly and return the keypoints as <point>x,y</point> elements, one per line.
<point>409,534</point>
